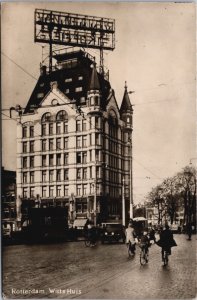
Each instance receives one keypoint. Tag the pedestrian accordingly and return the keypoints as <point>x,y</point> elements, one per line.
<point>130,237</point>
<point>152,235</point>
<point>166,241</point>
<point>189,231</point>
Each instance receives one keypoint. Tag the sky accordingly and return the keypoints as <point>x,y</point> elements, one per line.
<point>154,54</point>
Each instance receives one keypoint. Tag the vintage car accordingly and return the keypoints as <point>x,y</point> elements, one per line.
<point>112,232</point>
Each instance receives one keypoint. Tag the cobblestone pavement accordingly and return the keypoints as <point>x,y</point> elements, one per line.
<point>70,270</point>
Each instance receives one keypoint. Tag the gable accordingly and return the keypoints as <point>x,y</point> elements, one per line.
<point>112,105</point>
<point>54,97</point>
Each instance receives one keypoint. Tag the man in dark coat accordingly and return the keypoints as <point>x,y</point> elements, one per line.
<point>166,241</point>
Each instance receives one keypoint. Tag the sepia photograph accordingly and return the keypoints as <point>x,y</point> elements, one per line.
<point>98,134</point>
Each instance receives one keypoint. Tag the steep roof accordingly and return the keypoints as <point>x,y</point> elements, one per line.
<point>126,103</point>
<point>73,79</point>
<point>94,82</point>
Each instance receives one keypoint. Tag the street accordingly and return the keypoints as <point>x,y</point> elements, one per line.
<point>71,270</point>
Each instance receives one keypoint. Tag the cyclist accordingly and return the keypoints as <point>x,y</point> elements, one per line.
<point>91,234</point>
<point>130,237</point>
<point>166,241</point>
<point>145,241</point>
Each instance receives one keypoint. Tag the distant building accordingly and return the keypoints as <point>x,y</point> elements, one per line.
<point>8,193</point>
<point>73,141</point>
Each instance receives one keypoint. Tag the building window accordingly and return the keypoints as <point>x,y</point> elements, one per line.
<point>84,127</point>
<point>50,128</point>
<point>65,158</point>
<point>51,175</point>
<point>65,143</point>
<point>78,157</point>
<point>24,192</point>
<point>68,80</point>
<point>24,147</point>
<point>97,142</point>
<point>80,77</point>
<point>44,191</point>
<point>58,177</point>
<point>31,131</point>
<point>46,118</point>
<point>58,159</point>
<point>31,161</point>
<point>90,155</point>
<point>50,144</point>
<point>96,100</point>
<point>67,91</point>
<point>97,122</point>
<point>97,152</point>
<point>66,190</point>
<point>81,207</point>
<point>31,192</point>
<point>62,115</point>
<point>84,157</point>
<point>24,162</point>
<point>58,193</point>
<point>85,173</point>
<point>50,160</point>
<point>31,177</point>
<point>25,177</point>
<point>78,89</point>
<point>78,190</point>
<point>90,172</point>
<point>84,141</point>
<point>84,189</point>
<point>44,145</point>
<point>78,125</point>
<point>66,174</point>
<point>44,160</point>
<point>51,191</point>
<point>24,131</point>
<point>44,129</point>
<point>78,141</point>
<point>31,148</point>
<point>44,176</point>
<point>65,127</point>
<point>58,128</point>
<point>78,173</point>
<point>58,143</point>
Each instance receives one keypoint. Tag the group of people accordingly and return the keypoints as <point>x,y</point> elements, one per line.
<point>166,241</point>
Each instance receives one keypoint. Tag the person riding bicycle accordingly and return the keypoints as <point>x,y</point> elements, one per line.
<point>130,237</point>
<point>166,241</point>
<point>91,233</point>
<point>145,241</point>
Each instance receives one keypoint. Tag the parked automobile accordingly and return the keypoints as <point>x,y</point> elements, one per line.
<point>112,232</point>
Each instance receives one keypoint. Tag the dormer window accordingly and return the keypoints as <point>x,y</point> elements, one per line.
<point>40,95</point>
<point>68,80</point>
<point>80,78</point>
<point>67,91</point>
<point>79,89</point>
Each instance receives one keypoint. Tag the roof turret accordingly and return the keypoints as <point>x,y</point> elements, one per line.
<point>126,103</point>
<point>94,81</point>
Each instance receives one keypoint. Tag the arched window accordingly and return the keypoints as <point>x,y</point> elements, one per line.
<point>46,118</point>
<point>62,116</point>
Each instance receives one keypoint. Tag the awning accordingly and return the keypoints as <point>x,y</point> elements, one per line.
<point>79,223</point>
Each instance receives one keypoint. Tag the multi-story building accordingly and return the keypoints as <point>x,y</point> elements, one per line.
<point>73,141</point>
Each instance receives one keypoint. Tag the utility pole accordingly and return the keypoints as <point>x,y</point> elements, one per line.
<point>123,202</point>
<point>95,195</point>
<point>131,179</point>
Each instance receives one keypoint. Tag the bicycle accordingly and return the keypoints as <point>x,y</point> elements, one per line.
<point>89,243</point>
<point>165,253</point>
<point>144,254</point>
<point>131,249</point>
